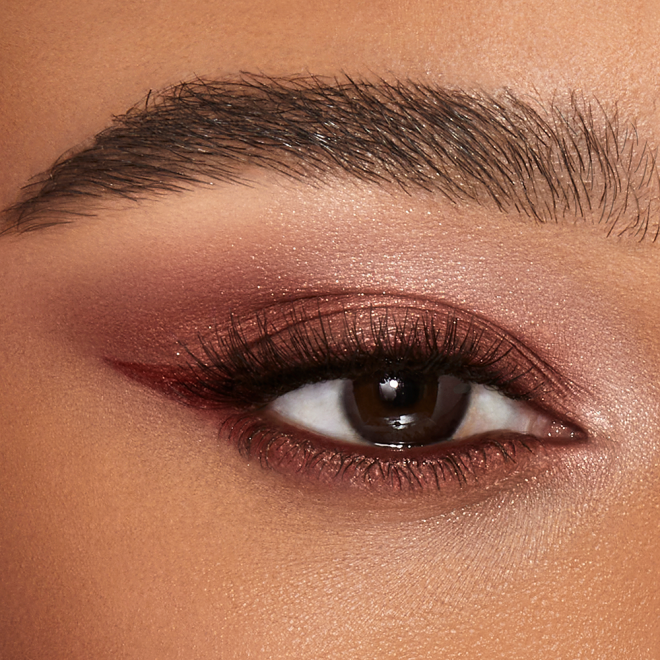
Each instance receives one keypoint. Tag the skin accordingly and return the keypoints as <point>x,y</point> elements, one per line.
<point>129,531</point>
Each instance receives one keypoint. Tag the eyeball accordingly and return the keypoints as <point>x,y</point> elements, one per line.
<point>407,410</point>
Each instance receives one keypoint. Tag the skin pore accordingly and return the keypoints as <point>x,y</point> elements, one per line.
<point>132,528</point>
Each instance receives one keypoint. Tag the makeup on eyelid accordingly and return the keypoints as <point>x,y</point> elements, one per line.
<point>177,286</point>
<point>327,243</point>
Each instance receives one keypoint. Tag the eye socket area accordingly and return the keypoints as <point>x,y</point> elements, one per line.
<point>347,396</point>
<point>404,411</point>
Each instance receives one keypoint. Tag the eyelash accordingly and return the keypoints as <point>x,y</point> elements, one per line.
<point>240,369</point>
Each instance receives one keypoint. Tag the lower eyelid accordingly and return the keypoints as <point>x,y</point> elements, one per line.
<point>456,470</point>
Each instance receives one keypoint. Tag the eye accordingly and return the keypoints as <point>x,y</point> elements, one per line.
<point>375,397</point>
<point>408,409</point>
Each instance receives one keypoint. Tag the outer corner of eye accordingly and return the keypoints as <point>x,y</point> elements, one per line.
<point>563,431</point>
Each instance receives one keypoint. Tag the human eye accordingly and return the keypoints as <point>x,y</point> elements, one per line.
<point>383,394</point>
<point>408,407</point>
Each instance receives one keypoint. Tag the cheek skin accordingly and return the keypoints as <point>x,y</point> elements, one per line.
<point>126,520</point>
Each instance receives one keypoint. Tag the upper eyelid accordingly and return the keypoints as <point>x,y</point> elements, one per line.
<point>280,324</point>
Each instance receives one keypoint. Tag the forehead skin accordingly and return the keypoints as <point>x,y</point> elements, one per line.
<point>67,68</point>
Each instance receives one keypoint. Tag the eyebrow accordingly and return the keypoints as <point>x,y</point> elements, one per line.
<point>570,158</point>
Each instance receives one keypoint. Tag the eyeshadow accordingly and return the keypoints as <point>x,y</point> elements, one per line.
<point>143,288</point>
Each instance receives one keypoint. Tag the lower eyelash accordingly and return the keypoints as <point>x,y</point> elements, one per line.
<point>447,468</point>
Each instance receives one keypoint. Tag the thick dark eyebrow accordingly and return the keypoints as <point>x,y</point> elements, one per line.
<point>570,158</point>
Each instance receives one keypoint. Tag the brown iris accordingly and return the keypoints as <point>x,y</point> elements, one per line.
<point>406,409</point>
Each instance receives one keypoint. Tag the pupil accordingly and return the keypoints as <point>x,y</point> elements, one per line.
<point>406,409</point>
<point>398,392</point>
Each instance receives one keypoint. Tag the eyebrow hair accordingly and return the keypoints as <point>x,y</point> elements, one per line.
<point>571,158</point>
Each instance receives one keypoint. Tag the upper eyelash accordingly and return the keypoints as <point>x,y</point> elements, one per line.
<point>257,359</point>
